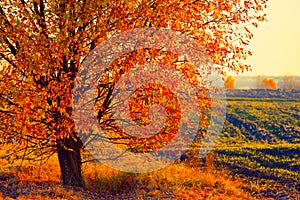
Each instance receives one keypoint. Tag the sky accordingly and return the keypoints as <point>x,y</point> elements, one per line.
<point>276,43</point>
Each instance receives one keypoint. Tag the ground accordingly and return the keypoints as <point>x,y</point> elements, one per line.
<point>257,157</point>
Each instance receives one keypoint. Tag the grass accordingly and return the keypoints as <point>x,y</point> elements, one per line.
<point>177,181</point>
<point>261,143</point>
<point>261,122</point>
<point>271,166</point>
<point>274,161</point>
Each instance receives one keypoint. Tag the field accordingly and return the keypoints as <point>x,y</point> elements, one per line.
<point>257,157</point>
<point>261,143</point>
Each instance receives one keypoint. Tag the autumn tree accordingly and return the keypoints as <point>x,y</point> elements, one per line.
<point>43,43</point>
<point>266,83</point>
<point>229,82</point>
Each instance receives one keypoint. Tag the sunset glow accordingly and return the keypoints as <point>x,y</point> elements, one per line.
<point>276,43</point>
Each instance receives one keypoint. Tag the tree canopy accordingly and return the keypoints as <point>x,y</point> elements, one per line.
<point>43,43</point>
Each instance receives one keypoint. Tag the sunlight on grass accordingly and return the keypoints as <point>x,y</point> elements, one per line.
<point>180,180</point>
<point>177,181</point>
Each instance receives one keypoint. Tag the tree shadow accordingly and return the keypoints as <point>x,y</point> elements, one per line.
<point>9,185</point>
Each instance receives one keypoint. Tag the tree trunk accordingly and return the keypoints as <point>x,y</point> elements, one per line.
<point>70,162</point>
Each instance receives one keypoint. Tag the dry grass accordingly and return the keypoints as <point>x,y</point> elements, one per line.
<point>177,181</point>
